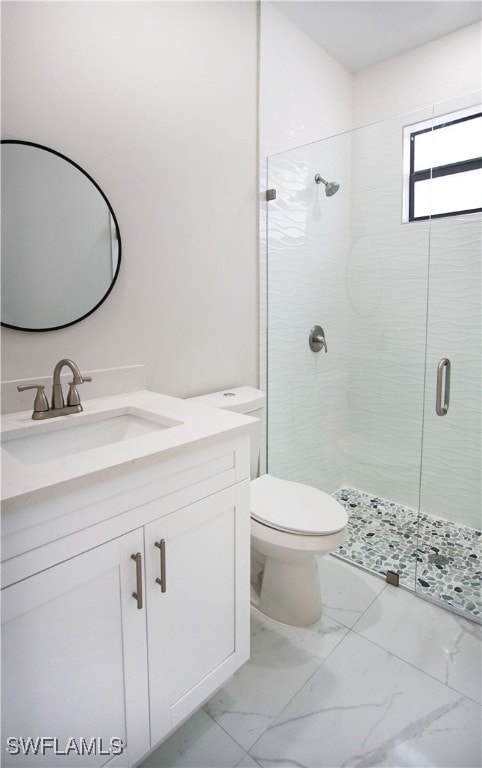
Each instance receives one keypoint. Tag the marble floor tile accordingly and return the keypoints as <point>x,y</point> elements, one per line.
<point>248,762</point>
<point>282,659</point>
<point>366,707</point>
<point>347,591</point>
<point>199,743</point>
<point>435,640</point>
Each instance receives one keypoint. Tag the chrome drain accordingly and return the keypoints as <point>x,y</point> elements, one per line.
<point>437,559</point>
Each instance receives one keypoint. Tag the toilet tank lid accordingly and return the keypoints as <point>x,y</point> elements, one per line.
<point>239,399</point>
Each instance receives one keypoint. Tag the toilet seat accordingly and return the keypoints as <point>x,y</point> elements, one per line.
<point>295,508</point>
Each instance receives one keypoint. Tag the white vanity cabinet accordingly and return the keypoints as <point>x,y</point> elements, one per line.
<point>94,647</point>
<point>74,659</point>
<point>196,627</point>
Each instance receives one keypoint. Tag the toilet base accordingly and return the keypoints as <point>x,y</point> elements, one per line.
<point>284,572</point>
<point>290,591</point>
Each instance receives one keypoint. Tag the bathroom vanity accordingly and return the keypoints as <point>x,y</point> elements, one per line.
<point>125,574</point>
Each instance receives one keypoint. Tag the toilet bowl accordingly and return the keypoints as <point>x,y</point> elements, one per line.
<point>292,524</point>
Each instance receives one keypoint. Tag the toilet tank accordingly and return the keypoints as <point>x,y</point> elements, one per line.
<point>246,400</point>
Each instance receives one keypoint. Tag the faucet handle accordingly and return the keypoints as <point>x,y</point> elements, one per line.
<point>41,403</point>
<point>73,397</point>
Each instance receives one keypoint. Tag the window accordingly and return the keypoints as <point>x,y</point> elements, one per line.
<point>443,167</point>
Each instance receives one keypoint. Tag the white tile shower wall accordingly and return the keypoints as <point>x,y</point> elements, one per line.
<point>390,267</point>
<point>386,280</point>
<point>451,483</point>
<point>446,71</point>
<point>308,238</point>
<point>304,95</point>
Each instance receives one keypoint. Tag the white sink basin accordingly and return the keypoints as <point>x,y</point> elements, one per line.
<point>75,437</point>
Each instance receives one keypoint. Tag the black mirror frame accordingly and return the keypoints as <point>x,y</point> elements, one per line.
<point>101,301</point>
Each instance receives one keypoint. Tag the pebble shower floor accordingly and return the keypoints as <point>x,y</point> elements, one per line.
<point>431,556</point>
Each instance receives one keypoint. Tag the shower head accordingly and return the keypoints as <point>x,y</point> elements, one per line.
<point>331,187</point>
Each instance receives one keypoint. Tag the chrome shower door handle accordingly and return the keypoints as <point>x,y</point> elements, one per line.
<point>443,366</point>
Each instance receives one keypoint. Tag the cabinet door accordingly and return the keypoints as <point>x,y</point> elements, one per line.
<point>74,661</point>
<point>198,628</point>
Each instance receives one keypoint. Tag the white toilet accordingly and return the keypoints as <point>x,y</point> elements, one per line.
<point>291,525</point>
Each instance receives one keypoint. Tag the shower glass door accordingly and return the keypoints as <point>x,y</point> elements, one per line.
<point>350,419</point>
<point>449,546</point>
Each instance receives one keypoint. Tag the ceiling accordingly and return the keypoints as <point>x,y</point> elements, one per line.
<point>361,33</point>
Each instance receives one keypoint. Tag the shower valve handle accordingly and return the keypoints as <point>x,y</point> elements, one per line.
<point>316,339</point>
<point>320,340</point>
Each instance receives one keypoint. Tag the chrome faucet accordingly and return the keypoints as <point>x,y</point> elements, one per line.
<point>41,408</point>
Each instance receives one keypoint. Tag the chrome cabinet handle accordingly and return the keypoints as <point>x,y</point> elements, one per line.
<point>138,594</point>
<point>161,545</point>
<point>444,365</point>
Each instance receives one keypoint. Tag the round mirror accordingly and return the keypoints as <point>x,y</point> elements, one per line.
<point>61,246</point>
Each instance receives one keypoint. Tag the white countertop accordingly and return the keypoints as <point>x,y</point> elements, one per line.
<point>200,425</point>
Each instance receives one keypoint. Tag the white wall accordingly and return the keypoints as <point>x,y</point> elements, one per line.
<point>443,69</point>
<point>157,101</point>
<point>305,94</point>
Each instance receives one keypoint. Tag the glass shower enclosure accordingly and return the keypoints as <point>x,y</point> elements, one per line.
<point>392,309</point>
